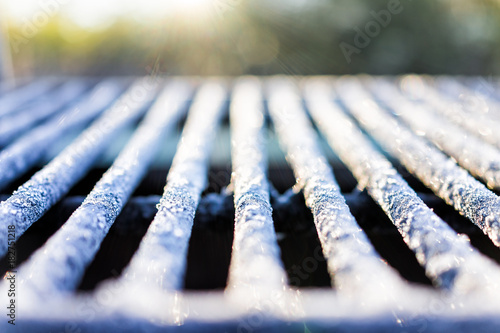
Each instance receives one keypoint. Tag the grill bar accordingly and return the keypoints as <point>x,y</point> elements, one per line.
<point>11,126</point>
<point>160,261</point>
<point>481,125</point>
<point>345,246</point>
<point>478,99</point>
<point>441,174</point>
<point>10,103</point>
<point>256,269</point>
<point>148,295</point>
<point>484,88</point>
<point>22,154</point>
<point>46,187</point>
<point>473,154</point>
<point>453,264</point>
<point>65,256</point>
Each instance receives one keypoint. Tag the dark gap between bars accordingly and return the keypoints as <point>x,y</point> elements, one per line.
<point>210,245</point>
<point>298,240</point>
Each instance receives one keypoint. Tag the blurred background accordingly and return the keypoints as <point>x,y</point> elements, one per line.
<point>234,37</point>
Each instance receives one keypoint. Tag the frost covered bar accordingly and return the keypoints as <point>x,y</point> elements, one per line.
<point>193,204</point>
<point>477,156</point>
<point>28,149</point>
<point>47,186</point>
<point>160,261</point>
<point>256,267</point>
<point>452,183</point>
<point>455,265</point>
<point>345,246</point>
<point>73,247</point>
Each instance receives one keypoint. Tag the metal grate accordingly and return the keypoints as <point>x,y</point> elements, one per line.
<point>392,224</point>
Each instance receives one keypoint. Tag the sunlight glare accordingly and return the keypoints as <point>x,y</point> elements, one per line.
<point>94,13</point>
<point>191,4</point>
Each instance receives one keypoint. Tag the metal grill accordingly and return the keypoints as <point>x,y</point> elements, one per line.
<point>384,218</point>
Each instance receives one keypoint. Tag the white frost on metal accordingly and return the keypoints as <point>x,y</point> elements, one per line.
<point>160,261</point>
<point>353,263</point>
<point>436,170</point>
<point>256,273</point>
<point>479,157</point>
<point>478,98</point>
<point>479,124</point>
<point>13,100</point>
<point>60,263</point>
<point>23,153</point>
<point>449,260</point>
<point>47,186</point>
<point>13,125</point>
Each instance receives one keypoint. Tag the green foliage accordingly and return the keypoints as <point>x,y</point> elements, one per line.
<point>260,37</point>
